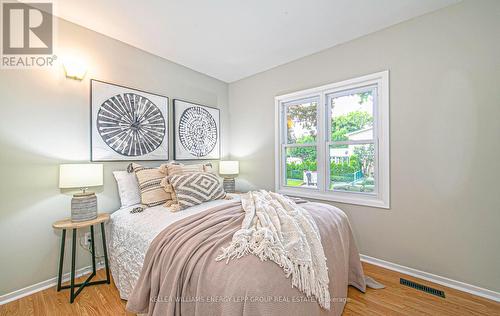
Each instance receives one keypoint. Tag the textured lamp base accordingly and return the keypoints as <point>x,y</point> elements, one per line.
<point>229,185</point>
<point>83,207</point>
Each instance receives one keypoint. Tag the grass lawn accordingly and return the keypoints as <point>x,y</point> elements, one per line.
<point>294,182</point>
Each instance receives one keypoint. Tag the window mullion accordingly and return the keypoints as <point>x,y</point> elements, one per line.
<point>300,145</point>
<point>320,148</point>
<point>352,142</point>
<point>284,128</point>
<point>326,146</point>
<point>283,141</point>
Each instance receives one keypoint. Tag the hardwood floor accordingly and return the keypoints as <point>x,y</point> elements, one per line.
<point>395,299</point>
<point>100,299</point>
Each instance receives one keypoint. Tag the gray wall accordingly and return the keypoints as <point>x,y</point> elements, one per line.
<point>445,128</point>
<point>44,121</point>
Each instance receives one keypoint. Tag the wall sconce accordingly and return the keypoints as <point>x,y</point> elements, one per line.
<point>75,69</point>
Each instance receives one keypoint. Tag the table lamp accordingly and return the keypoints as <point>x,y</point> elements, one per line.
<point>83,176</point>
<point>229,169</point>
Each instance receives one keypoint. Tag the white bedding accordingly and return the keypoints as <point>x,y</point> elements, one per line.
<point>130,234</point>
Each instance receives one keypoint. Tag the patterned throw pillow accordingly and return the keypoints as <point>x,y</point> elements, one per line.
<point>149,179</point>
<point>178,168</point>
<point>194,188</point>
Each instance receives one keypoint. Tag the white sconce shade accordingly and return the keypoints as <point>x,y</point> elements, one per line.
<point>80,175</point>
<point>74,68</point>
<point>229,167</point>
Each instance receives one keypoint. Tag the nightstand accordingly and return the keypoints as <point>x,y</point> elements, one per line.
<point>74,226</point>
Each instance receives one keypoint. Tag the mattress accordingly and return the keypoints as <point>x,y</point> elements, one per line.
<point>129,236</point>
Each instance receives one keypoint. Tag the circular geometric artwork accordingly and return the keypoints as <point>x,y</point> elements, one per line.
<point>197,131</point>
<point>131,124</point>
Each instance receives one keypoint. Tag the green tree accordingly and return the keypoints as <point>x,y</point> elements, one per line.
<point>304,114</point>
<point>307,154</point>
<point>355,162</point>
<point>366,156</point>
<point>348,123</point>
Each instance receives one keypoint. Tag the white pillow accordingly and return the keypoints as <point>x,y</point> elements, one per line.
<point>128,188</point>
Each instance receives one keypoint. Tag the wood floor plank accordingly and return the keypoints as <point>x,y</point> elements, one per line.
<point>395,299</point>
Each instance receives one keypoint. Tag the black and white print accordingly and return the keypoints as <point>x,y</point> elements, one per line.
<point>128,124</point>
<point>197,132</point>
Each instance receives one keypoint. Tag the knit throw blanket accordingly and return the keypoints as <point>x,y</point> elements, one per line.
<point>276,228</point>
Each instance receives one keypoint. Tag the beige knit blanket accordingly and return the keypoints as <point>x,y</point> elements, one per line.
<point>275,228</point>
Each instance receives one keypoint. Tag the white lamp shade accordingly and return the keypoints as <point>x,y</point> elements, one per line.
<point>229,167</point>
<point>80,175</point>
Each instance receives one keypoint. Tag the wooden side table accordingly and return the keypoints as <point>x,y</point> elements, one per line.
<point>74,226</point>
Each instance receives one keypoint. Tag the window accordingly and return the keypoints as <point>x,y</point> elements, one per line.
<point>332,142</point>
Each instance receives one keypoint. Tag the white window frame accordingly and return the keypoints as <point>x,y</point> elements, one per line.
<point>381,197</point>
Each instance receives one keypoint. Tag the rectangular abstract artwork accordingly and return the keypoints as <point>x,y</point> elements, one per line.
<point>196,131</point>
<point>127,124</point>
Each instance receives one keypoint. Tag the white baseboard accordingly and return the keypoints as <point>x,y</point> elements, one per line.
<point>12,296</point>
<point>457,285</point>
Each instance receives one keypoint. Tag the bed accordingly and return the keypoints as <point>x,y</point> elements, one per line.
<point>262,291</point>
<point>130,235</point>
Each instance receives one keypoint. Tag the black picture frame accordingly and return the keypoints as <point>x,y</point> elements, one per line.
<point>175,112</point>
<point>166,137</point>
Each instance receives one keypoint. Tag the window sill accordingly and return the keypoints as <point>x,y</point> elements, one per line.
<point>341,197</point>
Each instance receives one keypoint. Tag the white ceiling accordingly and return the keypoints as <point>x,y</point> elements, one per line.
<point>233,39</point>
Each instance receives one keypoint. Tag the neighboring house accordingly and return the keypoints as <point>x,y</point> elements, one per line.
<point>339,155</point>
<point>362,134</point>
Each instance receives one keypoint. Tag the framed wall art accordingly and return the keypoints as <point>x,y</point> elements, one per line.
<point>196,131</point>
<point>127,124</point>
